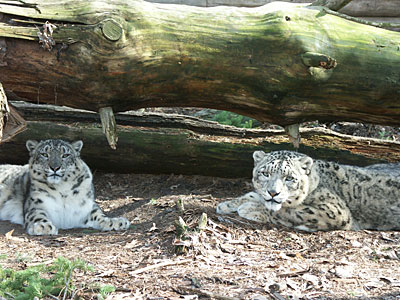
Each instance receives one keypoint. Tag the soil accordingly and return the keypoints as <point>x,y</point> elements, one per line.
<point>230,258</point>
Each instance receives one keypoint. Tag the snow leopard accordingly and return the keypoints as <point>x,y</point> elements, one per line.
<point>53,191</point>
<point>293,190</point>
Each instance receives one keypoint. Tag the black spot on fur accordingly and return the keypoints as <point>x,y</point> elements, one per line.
<point>330,215</point>
<point>78,183</point>
<point>75,192</point>
<point>308,210</point>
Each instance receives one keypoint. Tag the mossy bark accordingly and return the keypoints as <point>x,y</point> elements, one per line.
<point>283,63</point>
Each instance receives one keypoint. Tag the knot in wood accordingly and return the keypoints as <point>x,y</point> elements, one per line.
<point>112,30</point>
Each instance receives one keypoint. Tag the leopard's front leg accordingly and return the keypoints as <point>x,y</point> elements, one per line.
<point>326,212</point>
<point>231,206</point>
<point>38,223</point>
<point>248,206</point>
<point>98,220</point>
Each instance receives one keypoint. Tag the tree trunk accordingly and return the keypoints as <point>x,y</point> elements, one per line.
<point>157,143</point>
<point>282,63</point>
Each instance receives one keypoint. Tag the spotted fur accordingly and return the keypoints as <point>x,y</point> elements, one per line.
<point>55,190</point>
<point>293,190</point>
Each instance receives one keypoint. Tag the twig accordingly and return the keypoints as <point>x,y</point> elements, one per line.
<point>293,274</point>
<point>67,282</point>
<point>204,293</point>
<point>181,233</point>
<point>52,297</point>
<point>9,295</point>
<point>160,265</point>
<point>202,222</point>
<point>180,206</point>
<point>274,292</point>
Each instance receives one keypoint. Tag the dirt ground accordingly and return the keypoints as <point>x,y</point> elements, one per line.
<point>231,258</point>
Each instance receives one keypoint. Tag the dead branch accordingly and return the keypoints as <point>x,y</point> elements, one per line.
<point>160,265</point>
<point>200,292</point>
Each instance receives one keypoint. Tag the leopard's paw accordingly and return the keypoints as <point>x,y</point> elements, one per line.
<point>119,223</point>
<point>226,207</point>
<point>41,228</point>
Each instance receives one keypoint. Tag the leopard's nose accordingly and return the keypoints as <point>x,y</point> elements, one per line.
<point>55,169</point>
<point>273,193</point>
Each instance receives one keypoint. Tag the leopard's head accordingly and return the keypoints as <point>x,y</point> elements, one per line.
<point>52,160</point>
<point>282,178</point>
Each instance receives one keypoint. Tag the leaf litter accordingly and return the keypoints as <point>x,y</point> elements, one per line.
<point>225,257</point>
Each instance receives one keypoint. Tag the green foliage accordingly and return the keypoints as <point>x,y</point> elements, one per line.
<point>41,280</point>
<point>153,201</point>
<point>232,119</point>
<point>23,257</point>
<point>104,291</point>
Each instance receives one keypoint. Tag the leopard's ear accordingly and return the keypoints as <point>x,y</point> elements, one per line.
<point>306,163</point>
<point>77,146</point>
<point>258,156</point>
<point>31,145</point>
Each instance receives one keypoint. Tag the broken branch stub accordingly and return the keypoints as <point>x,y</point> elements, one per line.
<point>4,111</point>
<point>109,126</point>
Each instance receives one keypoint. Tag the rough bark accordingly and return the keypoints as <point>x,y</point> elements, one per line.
<point>157,143</point>
<point>282,63</point>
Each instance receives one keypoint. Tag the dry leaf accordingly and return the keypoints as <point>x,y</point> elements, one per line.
<point>356,244</point>
<point>153,228</point>
<point>131,245</point>
<point>9,234</point>
<point>344,272</point>
<point>311,278</point>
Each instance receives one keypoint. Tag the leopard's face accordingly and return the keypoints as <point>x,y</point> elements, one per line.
<point>52,160</point>
<point>281,178</point>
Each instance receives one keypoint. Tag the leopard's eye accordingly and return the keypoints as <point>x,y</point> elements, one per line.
<point>265,174</point>
<point>289,178</point>
<point>44,154</point>
<point>66,155</point>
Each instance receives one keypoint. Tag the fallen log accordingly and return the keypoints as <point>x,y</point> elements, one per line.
<point>282,63</point>
<point>356,8</point>
<point>159,143</point>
